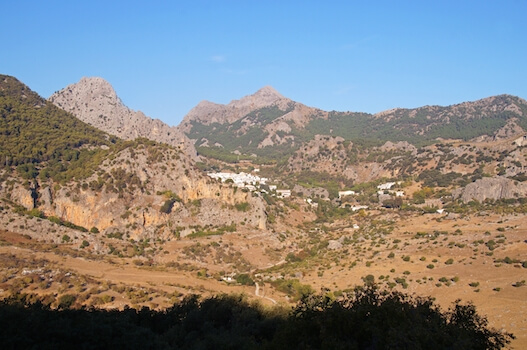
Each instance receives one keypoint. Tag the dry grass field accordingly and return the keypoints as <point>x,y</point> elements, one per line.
<point>478,258</point>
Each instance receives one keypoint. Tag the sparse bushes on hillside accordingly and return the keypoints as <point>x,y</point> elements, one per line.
<point>292,287</point>
<point>61,222</point>
<point>421,195</point>
<point>434,177</point>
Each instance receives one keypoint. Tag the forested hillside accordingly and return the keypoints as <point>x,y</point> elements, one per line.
<point>39,138</point>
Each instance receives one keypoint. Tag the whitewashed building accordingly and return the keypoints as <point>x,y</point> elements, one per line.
<point>346,193</point>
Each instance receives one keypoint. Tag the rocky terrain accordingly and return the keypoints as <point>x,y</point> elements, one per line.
<point>207,112</point>
<point>95,102</point>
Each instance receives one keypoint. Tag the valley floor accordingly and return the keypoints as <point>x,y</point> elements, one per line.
<point>476,258</point>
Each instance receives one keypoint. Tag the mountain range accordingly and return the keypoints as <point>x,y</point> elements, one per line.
<point>104,206</point>
<point>268,127</point>
<point>299,142</point>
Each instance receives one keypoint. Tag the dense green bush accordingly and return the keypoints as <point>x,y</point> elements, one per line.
<point>244,206</point>
<point>167,206</point>
<point>244,279</point>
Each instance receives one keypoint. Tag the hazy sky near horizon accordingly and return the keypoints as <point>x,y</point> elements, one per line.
<point>164,57</point>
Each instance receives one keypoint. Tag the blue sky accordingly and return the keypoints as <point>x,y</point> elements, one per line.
<point>163,57</point>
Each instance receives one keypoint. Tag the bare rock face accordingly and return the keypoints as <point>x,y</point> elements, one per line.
<point>23,196</point>
<point>334,245</point>
<point>491,188</point>
<point>95,102</point>
<point>399,146</point>
<point>208,112</point>
<point>135,206</point>
<point>314,192</point>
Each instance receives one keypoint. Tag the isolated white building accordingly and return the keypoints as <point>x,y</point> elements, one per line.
<point>358,207</point>
<point>386,186</point>
<point>311,203</point>
<point>346,193</point>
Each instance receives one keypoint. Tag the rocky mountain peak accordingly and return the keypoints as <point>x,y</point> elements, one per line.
<point>95,102</point>
<point>269,93</point>
<point>208,112</point>
<point>97,83</point>
<point>264,97</point>
<point>91,95</point>
<point>94,88</point>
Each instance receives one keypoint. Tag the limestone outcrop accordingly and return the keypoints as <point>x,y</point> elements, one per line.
<point>95,102</point>
<point>491,188</point>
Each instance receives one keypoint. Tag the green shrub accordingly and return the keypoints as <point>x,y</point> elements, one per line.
<point>244,206</point>
<point>519,283</point>
<point>244,279</point>
<point>167,206</point>
<point>66,301</point>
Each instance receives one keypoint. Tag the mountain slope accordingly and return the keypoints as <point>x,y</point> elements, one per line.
<point>94,101</point>
<point>63,169</point>
<point>250,126</point>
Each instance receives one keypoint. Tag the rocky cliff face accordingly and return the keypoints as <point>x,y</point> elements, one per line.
<point>491,188</point>
<point>143,193</point>
<point>208,112</point>
<point>95,102</point>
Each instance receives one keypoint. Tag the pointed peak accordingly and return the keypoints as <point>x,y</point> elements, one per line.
<point>268,91</point>
<point>205,103</point>
<point>87,90</point>
<point>98,82</point>
<point>263,97</point>
<point>93,80</point>
<point>91,87</point>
